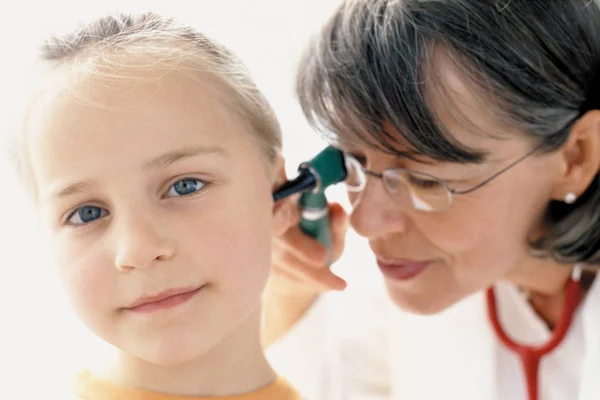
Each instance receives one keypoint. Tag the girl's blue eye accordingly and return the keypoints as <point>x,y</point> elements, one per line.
<point>86,214</point>
<point>185,187</point>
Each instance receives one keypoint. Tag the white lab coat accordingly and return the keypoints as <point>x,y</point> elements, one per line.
<point>357,345</point>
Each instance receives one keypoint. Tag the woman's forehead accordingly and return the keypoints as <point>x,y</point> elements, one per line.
<point>461,104</point>
<point>493,148</point>
<point>460,109</point>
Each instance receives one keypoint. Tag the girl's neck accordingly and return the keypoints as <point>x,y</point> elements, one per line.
<point>237,365</point>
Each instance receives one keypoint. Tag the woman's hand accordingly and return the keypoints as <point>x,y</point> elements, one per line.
<point>300,260</point>
<point>300,269</point>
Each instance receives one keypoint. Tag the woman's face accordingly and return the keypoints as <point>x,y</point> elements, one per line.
<point>432,260</point>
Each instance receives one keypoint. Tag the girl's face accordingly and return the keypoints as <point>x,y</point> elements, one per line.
<point>157,202</point>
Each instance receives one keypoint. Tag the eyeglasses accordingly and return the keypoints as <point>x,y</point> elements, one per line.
<point>419,190</point>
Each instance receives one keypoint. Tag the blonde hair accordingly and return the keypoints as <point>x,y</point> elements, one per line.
<point>101,46</point>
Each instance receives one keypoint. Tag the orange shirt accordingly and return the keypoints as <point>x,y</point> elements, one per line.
<point>89,388</point>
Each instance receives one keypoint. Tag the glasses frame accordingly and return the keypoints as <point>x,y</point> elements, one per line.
<point>451,192</point>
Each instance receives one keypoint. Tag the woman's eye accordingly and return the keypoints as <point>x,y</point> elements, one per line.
<point>426,184</point>
<point>185,187</point>
<point>86,214</point>
<point>361,159</point>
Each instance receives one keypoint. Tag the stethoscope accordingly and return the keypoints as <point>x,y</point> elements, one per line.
<point>531,355</point>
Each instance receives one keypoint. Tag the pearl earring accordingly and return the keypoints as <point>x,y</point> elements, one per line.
<point>570,198</point>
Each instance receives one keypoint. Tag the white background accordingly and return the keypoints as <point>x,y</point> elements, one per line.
<point>40,340</point>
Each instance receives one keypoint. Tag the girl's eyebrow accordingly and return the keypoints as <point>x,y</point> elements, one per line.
<point>71,189</point>
<point>162,160</point>
<point>186,152</point>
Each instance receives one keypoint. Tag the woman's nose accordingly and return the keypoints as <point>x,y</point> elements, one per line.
<point>375,213</point>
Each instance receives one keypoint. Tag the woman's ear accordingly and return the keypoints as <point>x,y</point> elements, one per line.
<point>580,158</point>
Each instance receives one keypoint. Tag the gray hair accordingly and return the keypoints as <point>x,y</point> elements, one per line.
<point>536,63</point>
<point>100,48</point>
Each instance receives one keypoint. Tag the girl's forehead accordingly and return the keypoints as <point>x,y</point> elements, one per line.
<point>136,120</point>
<point>151,94</point>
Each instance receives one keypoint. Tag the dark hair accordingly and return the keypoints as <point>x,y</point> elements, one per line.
<point>536,63</point>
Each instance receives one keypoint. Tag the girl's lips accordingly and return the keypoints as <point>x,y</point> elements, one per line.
<point>165,300</point>
<point>401,270</point>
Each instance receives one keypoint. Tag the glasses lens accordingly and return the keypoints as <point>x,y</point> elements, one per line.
<point>356,180</point>
<point>423,192</point>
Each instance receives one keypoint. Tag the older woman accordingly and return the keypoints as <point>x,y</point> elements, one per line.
<point>473,131</point>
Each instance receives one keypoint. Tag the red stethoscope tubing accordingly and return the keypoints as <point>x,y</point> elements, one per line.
<point>531,355</point>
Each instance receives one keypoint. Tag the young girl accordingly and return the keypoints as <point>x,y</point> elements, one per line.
<point>151,157</point>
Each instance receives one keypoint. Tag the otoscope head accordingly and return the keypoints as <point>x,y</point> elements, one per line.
<point>329,166</point>
<point>325,169</point>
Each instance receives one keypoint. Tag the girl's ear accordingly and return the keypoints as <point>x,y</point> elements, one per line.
<point>279,176</point>
<point>285,212</point>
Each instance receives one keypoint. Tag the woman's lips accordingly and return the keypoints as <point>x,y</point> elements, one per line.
<point>401,270</point>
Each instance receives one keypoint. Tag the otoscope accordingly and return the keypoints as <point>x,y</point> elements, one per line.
<point>325,169</point>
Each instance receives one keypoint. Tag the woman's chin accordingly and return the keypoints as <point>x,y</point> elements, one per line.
<point>417,302</point>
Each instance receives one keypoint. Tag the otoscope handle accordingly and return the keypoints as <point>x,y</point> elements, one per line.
<point>314,220</point>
